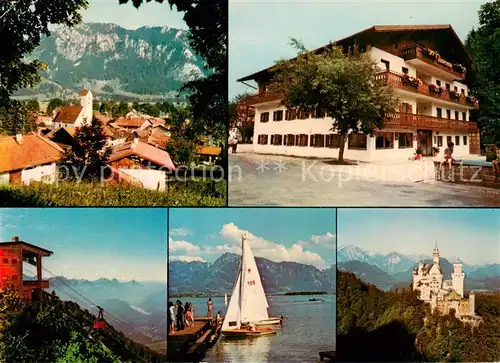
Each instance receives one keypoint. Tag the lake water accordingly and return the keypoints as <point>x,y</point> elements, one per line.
<point>308,328</point>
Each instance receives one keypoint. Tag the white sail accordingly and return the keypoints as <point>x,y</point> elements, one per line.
<point>225,299</point>
<point>253,298</point>
<point>232,320</point>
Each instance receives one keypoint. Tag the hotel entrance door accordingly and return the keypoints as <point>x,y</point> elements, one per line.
<point>424,141</point>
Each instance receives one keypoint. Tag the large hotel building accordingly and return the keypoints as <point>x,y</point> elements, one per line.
<point>426,65</point>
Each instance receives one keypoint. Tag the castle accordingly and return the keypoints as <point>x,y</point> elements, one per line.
<point>444,295</point>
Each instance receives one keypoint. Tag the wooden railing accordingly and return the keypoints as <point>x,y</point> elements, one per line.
<point>388,78</point>
<point>419,52</point>
<point>402,120</point>
<point>261,98</point>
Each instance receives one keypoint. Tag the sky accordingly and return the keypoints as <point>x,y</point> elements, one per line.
<point>127,16</point>
<point>280,234</point>
<point>92,243</point>
<point>472,235</point>
<point>260,31</point>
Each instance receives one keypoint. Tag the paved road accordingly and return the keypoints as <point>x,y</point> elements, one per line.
<point>257,180</point>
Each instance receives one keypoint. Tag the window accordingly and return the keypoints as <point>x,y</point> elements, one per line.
<point>289,140</point>
<point>301,140</point>
<point>405,140</point>
<point>320,113</point>
<point>14,261</point>
<point>317,140</point>
<point>462,91</point>
<point>278,115</point>
<point>333,141</point>
<point>448,86</point>
<point>457,140</point>
<point>465,140</point>
<point>277,140</point>
<point>303,115</point>
<point>440,141</point>
<point>455,88</point>
<point>264,117</point>
<point>464,116</point>
<point>448,114</point>
<point>448,139</point>
<point>262,140</point>
<point>386,63</point>
<point>456,115</point>
<point>357,141</point>
<point>290,114</point>
<point>438,82</point>
<point>384,140</point>
<point>439,112</point>
<point>405,70</point>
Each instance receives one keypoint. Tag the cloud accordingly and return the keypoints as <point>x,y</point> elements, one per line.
<point>179,232</point>
<point>187,258</point>
<point>267,249</point>
<point>326,240</point>
<point>182,246</point>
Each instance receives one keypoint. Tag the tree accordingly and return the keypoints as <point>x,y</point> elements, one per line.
<point>182,144</point>
<point>89,155</point>
<point>341,84</point>
<point>55,103</point>
<point>484,77</point>
<point>22,26</point>
<point>241,117</point>
<point>208,24</point>
<point>33,105</point>
<point>17,118</point>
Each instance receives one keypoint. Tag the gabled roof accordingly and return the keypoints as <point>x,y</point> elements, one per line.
<point>451,41</point>
<point>144,151</point>
<point>22,243</point>
<point>84,92</point>
<point>34,150</point>
<point>130,121</point>
<point>68,114</point>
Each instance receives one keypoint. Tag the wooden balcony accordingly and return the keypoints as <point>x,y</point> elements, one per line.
<point>388,78</point>
<point>262,98</point>
<point>411,121</point>
<point>430,62</point>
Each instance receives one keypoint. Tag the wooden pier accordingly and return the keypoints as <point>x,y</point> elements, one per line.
<point>182,344</point>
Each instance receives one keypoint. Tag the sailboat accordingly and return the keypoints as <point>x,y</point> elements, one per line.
<point>225,299</point>
<point>247,309</point>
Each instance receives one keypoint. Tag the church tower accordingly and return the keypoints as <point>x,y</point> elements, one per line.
<point>86,103</point>
<point>457,277</point>
<point>435,255</point>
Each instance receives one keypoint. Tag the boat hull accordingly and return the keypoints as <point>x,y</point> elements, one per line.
<point>266,322</point>
<point>244,333</point>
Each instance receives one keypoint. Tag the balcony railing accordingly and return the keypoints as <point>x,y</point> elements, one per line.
<point>261,98</point>
<point>403,120</point>
<point>388,78</point>
<point>430,57</point>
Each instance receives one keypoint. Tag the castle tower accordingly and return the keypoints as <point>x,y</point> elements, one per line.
<point>86,103</point>
<point>457,277</point>
<point>435,255</point>
<point>472,303</point>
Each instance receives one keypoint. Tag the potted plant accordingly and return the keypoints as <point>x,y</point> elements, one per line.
<point>435,89</point>
<point>454,94</point>
<point>410,81</point>
<point>418,153</point>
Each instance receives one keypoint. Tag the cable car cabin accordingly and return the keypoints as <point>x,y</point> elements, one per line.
<point>100,322</point>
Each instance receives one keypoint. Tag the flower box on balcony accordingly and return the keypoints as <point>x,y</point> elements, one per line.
<point>435,89</point>
<point>454,94</point>
<point>458,68</point>
<point>410,81</point>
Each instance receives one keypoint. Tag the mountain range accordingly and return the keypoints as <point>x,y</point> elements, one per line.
<point>395,269</point>
<point>112,61</point>
<point>218,277</point>
<point>128,305</point>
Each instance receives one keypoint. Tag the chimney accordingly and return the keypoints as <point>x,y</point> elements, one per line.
<point>15,239</point>
<point>19,139</point>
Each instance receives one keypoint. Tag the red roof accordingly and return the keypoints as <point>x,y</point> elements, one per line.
<point>144,151</point>
<point>33,151</point>
<point>84,92</point>
<point>68,114</point>
<point>131,121</point>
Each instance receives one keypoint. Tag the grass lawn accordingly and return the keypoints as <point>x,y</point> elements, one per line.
<point>71,194</point>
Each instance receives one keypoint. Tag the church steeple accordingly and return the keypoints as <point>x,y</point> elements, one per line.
<point>435,254</point>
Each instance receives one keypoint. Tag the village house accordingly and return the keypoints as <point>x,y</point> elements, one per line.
<point>425,64</point>
<point>143,162</point>
<point>27,158</point>
<point>75,116</point>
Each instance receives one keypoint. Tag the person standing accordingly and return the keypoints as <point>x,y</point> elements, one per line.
<point>180,316</point>
<point>171,317</point>
<point>209,307</point>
